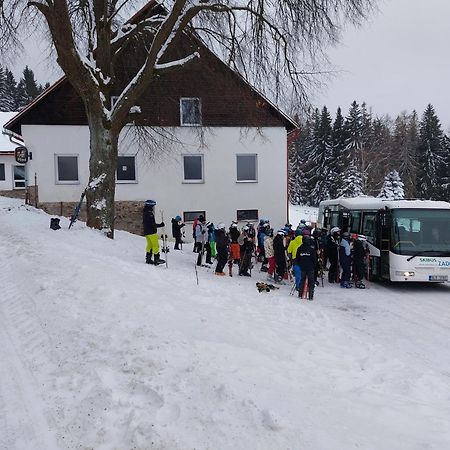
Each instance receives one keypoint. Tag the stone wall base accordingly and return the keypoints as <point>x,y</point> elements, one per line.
<point>17,193</point>
<point>128,214</point>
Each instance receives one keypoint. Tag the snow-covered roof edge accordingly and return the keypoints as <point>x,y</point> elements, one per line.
<point>378,203</point>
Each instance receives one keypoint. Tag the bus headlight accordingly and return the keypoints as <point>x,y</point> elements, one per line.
<point>404,274</point>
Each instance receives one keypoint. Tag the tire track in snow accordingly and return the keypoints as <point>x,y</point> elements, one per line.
<point>22,351</point>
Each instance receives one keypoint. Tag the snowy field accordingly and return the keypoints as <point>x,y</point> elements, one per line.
<point>100,351</point>
<point>299,212</point>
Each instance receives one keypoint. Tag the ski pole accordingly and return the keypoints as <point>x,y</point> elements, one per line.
<point>164,239</point>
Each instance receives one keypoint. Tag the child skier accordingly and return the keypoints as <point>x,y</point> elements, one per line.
<point>150,233</point>
<point>306,260</point>
<point>270,255</point>
<point>201,238</point>
<point>345,260</point>
<point>359,254</point>
<point>177,225</point>
<point>222,245</point>
<point>279,250</point>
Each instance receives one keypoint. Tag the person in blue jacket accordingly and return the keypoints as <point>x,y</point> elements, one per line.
<point>345,260</point>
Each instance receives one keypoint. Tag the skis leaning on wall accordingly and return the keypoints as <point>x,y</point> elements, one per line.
<point>77,209</point>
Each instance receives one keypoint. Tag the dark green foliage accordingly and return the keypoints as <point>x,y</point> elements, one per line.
<point>363,149</point>
<point>431,157</point>
<point>15,96</point>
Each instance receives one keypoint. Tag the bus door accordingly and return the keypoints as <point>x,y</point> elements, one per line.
<point>344,220</point>
<point>383,234</point>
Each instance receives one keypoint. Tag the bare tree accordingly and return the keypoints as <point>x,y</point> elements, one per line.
<point>270,42</point>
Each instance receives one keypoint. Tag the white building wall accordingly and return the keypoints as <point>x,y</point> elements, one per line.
<point>161,178</point>
<point>9,162</point>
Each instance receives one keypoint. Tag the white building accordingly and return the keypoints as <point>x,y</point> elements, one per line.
<point>226,156</point>
<point>12,174</point>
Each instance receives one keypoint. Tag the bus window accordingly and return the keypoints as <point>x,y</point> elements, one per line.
<point>356,220</point>
<point>368,227</point>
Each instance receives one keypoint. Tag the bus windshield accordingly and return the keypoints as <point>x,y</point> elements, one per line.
<point>421,230</point>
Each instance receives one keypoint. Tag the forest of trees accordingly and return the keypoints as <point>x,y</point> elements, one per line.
<point>16,95</point>
<point>364,155</point>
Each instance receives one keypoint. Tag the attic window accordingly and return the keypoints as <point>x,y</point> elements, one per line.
<point>190,111</point>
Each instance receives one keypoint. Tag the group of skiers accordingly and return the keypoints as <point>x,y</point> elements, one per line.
<point>302,252</point>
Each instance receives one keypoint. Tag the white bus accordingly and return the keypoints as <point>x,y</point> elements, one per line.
<point>409,240</point>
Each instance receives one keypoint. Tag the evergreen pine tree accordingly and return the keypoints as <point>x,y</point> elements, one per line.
<point>352,178</point>
<point>294,169</point>
<point>21,98</point>
<point>364,154</point>
<point>379,160</point>
<point>8,100</point>
<point>446,176</point>
<point>406,142</point>
<point>339,161</point>
<point>431,157</point>
<point>392,188</point>
<point>352,186</point>
<point>322,158</point>
<point>31,87</point>
<point>2,89</point>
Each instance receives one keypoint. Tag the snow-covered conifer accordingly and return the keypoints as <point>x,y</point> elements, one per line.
<point>392,188</point>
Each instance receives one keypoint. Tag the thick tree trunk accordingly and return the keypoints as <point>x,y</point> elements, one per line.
<point>102,167</point>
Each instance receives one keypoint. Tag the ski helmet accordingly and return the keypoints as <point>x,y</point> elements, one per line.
<point>150,203</point>
<point>335,230</point>
<point>221,226</point>
<point>306,232</point>
<point>178,218</point>
<point>281,231</point>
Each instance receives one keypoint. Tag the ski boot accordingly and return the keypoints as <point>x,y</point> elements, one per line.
<point>158,260</point>
<point>148,258</point>
<point>360,285</point>
<point>346,285</point>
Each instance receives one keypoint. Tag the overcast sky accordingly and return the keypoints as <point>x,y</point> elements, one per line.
<point>398,61</point>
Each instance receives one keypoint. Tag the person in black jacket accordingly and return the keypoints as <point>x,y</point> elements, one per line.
<point>332,253</point>
<point>306,260</point>
<point>279,250</point>
<point>150,233</point>
<point>222,245</point>
<point>359,268</point>
<point>177,225</point>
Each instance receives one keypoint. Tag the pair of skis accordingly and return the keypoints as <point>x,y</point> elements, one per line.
<point>165,247</point>
<point>77,209</point>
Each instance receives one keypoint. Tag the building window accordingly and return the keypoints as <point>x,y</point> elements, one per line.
<point>19,177</point>
<point>2,172</point>
<point>190,216</point>
<point>246,167</point>
<point>247,214</point>
<point>114,99</point>
<point>190,111</point>
<point>126,169</point>
<point>193,168</point>
<point>67,169</point>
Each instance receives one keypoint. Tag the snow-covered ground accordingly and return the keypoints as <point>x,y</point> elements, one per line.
<point>299,212</point>
<point>100,351</point>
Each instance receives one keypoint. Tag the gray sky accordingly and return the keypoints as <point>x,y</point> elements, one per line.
<point>398,61</point>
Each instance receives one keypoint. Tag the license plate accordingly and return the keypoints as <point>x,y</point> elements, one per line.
<point>438,278</point>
